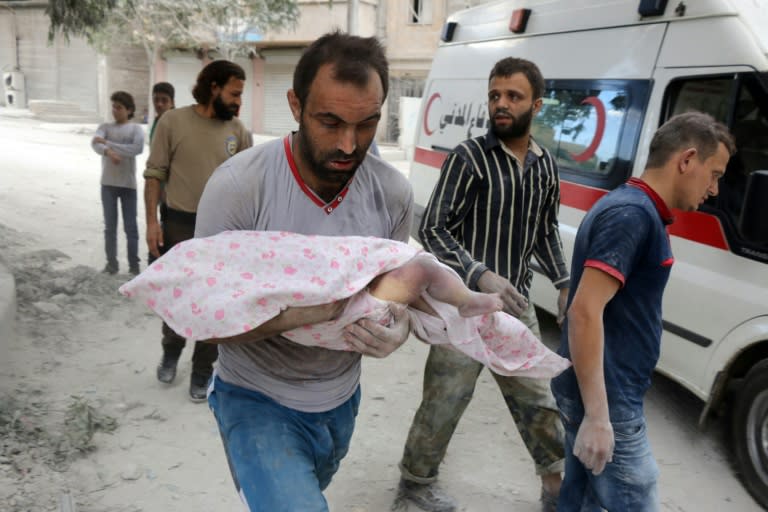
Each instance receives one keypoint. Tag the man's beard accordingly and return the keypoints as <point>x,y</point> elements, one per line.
<point>317,163</point>
<point>516,129</point>
<point>223,111</point>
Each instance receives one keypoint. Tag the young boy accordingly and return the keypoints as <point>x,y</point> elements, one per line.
<point>219,287</point>
<point>118,144</point>
<point>163,100</point>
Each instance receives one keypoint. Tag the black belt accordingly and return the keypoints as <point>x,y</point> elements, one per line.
<point>168,214</point>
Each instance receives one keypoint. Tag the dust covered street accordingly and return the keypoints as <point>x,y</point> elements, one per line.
<point>83,418</point>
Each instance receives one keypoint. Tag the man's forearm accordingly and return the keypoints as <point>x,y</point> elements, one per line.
<point>585,337</point>
<point>289,319</point>
<point>152,192</point>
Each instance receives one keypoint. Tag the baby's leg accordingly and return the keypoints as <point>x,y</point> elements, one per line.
<point>406,283</point>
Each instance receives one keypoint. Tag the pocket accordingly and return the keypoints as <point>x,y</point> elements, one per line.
<point>629,430</point>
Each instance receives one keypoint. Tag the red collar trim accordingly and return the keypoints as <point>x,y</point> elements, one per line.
<point>661,206</point>
<point>327,207</point>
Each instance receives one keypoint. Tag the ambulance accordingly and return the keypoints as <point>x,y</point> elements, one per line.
<point>615,70</point>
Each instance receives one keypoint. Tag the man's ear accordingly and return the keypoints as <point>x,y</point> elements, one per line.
<point>295,104</point>
<point>537,104</point>
<point>685,159</point>
<point>215,89</point>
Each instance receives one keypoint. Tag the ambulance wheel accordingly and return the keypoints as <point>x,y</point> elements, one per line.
<point>750,432</point>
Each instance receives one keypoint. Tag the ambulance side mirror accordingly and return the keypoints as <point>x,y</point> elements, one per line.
<point>753,222</point>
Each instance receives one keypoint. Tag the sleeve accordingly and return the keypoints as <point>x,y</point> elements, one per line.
<point>246,138</point>
<point>548,248</point>
<point>133,148</point>
<point>402,225</point>
<point>98,147</point>
<point>617,237</point>
<point>159,161</point>
<point>225,204</point>
<point>449,205</point>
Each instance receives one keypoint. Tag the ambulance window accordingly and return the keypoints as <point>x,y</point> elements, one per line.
<point>712,96</point>
<point>582,127</point>
<point>741,102</point>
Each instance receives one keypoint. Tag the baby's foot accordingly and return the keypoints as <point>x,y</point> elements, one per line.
<point>481,304</point>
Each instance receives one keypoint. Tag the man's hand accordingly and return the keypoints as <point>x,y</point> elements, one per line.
<point>99,140</point>
<point>372,339</point>
<point>514,303</point>
<point>562,306</point>
<point>594,443</point>
<point>154,238</point>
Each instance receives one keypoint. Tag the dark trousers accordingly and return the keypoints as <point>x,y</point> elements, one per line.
<point>177,227</point>
<point>127,197</point>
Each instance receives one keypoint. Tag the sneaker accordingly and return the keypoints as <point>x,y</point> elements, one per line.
<point>198,387</point>
<point>166,370</point>
<point>548,502</point>
<point>134,271</point>
<point>109,269</point>
<point>429,497</point>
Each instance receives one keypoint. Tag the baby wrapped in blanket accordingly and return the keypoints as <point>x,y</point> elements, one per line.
<point>230,283</point>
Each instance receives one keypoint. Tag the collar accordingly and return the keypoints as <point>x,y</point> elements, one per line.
<point>491,141</point>
<point>327,207</point>
<point>661,206</point>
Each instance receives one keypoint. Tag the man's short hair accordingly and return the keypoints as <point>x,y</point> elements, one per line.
<point>164,88</point>
<point>217,72</point>
<point>352,58</point>
<point>692,129</point>
<point>511,65</point>
<point>126,100</point>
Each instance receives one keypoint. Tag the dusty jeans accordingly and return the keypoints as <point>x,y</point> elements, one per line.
<point>449,382</point>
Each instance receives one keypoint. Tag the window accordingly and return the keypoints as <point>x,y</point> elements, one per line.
<point>420,12</point>
<point>741,102</point>
<point>585,126</point>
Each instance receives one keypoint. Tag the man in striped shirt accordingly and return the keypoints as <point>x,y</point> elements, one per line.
<point>494,206</point>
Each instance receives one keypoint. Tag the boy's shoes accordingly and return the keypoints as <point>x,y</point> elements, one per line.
<point>166,370</point>
<point>134,271</point>
<point>198,387</point>
<point>429,497</point>
<point>110,269</point>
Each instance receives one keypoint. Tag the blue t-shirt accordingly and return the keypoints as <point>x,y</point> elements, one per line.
<point>624,235</point>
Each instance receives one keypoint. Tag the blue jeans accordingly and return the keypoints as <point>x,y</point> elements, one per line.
<point>281,459</point>
<point>127,197</point>
<point>628,483</point>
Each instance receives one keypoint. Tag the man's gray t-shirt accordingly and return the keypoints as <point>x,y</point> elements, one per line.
<point>260,189</point>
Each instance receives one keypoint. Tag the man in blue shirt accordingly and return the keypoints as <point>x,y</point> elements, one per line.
<point>621,262</point>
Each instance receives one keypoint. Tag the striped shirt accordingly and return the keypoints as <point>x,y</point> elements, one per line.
<point>489,212</point>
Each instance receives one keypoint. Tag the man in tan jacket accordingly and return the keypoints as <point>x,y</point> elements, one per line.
<point>188,144</point>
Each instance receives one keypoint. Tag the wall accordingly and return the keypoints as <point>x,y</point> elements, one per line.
<point>128,70</point>
<point>65,71</point>
<point>317,18</point>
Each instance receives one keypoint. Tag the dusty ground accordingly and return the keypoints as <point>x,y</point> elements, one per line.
<point>83,418</point>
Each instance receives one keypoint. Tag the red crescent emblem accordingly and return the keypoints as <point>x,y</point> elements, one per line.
<point>598,137</point>
<point>426,113</point>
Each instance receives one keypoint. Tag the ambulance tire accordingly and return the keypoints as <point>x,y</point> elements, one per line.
<point>749,430</point>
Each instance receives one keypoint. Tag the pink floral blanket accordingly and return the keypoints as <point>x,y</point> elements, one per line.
<point>230,283</point>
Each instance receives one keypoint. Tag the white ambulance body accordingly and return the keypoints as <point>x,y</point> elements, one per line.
<point>612,77</point>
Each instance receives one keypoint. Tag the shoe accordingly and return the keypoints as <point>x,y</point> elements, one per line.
<point>429,497</point>
<point>134,270</point>
<point>109,269</point>
<point>166,370</point>
<point>548,502</point>
<point>198,387</point>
